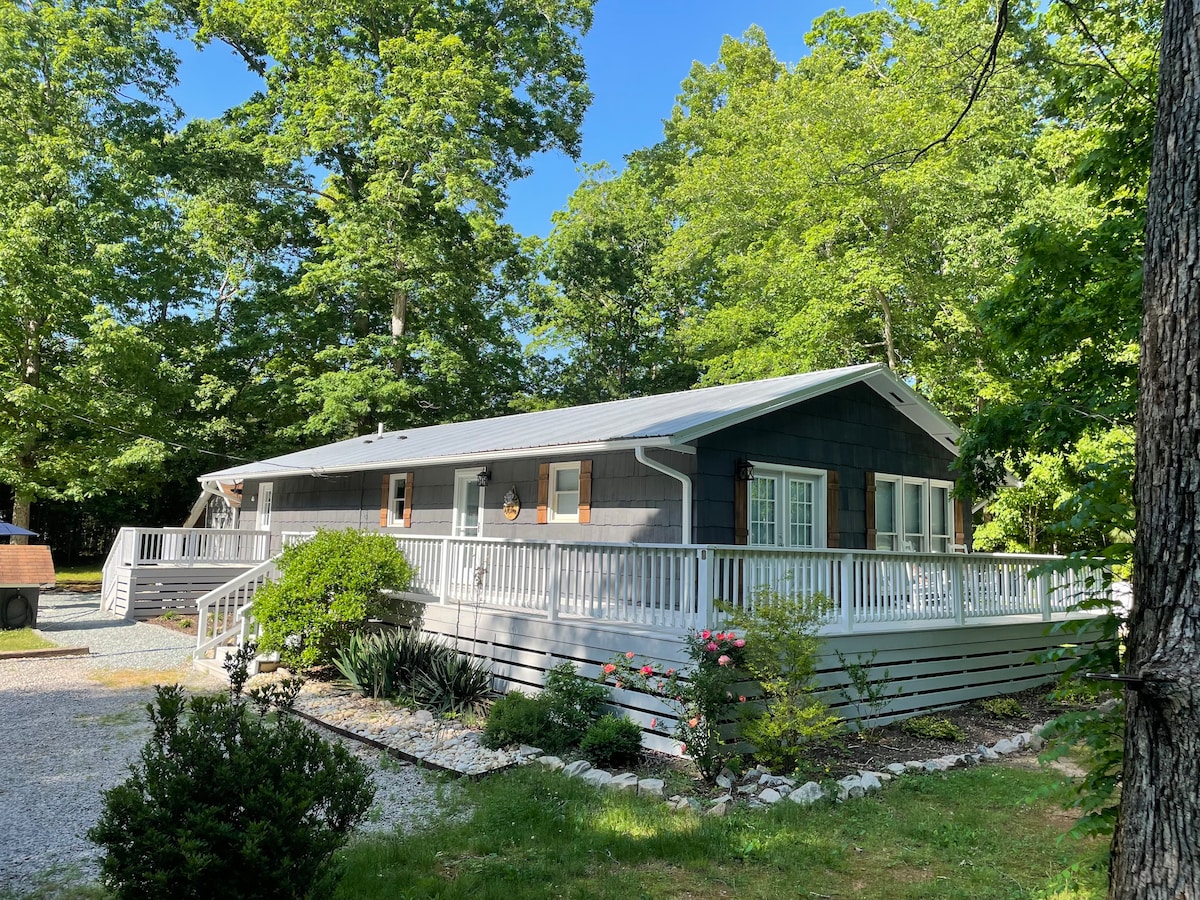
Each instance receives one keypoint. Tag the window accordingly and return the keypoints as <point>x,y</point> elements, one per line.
<point>786,507</point>
<point>266,500</point>
<point>913,514</point>
<point>563,502</point>
<point>468,503</point>
<point>397,500</point>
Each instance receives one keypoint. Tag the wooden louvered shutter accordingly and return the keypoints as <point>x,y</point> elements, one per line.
<point>870,511</point>
<point>960,515</point>
<point>741,512</point>
<point>833,532</point>
<point>408,499</point>
<point>543,493</point>
<point>585,491</point>
<point>385,501</point>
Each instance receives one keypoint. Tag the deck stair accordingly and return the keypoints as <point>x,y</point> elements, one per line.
<point>225,617</point>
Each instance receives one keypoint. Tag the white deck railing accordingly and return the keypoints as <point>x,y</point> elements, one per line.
<point>224,613</point>
<point>188,546</point>
<point>680,587</point>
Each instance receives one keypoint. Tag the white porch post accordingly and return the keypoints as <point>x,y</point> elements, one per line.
<point>845,596</point>
<point>1045,588</point>
<point>444,573</point>
<point>956,587</point>
<point>552,591</point>
<point>704,599</point>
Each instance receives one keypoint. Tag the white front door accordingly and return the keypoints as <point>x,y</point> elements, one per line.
<point>468,503</point>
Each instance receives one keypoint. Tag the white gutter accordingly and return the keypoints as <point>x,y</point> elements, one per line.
<point>639,453</point>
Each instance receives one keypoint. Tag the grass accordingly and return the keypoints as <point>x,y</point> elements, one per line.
<point>80,573</point>
<point>23,639</point>
<point>534,834</point>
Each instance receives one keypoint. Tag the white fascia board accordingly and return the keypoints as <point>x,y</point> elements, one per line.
<point>917,408</point>
<point>483,456</point>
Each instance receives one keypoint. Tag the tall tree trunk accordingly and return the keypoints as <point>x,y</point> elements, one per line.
<point>889,339</point>
<point>22,506</point>
<point>1156,848</point>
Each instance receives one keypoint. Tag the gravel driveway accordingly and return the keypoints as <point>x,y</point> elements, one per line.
<point>69,728</point>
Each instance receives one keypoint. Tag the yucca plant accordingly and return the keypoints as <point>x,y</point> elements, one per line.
<point>453,682</point>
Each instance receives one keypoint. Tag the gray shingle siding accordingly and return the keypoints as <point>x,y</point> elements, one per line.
<point>852,430</point>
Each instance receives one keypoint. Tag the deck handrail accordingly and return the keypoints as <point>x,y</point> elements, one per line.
<point>222,612</point>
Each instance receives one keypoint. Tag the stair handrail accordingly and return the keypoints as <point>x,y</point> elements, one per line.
<point>242,587</point>
<point>109,575</point>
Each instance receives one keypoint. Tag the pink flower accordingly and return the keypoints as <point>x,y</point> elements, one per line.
<point>682,747</point>
<point>629,655</point>
<point>620,684</point>
<point>694,721</point>
<point>739,643</point>
<point>670,671</point>
<point>647,670</point>
<point>729,636</point>
<point>724,660</point>
<point>741,698</point>
<point>711,648</point>
<point>705,634</point>
<point>609,669</point>
<point>654,723</point>
<point>720,635</point>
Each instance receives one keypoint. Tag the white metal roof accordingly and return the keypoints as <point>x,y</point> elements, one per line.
<point>666,420</point>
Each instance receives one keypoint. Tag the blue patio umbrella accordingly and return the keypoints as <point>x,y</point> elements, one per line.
<point>7,528</point>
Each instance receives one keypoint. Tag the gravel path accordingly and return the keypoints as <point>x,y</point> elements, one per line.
<point>69,730</point>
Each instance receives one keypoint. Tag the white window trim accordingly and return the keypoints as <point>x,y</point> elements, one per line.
<point>551,493</point>
<point>266,499</point>
<point>820,477</point>
<point>926,518</point>
<point>461,478</point>
<point>394,479</point>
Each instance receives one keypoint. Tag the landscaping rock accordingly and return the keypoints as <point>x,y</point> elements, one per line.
<point>1004,747</point>
<point>808,793</point>
<point>987,754</point>
<point>1022,740</point>
<point>719,809</point>
<point>577,768</point>
<point>934,765</point>
<point>774,781</point>
<point>553,763</point>
<point>897,769</point>
<point>651,787</point>
<point>626,781</point>
<point>527,752</point>
<point>598,777</point>
<point>869,781</point>
<point>724,781</point>
<point>423,717</point>
<point>770,795</point>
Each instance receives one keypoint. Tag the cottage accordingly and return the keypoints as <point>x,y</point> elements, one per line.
<point>572,534</point>
<point>848,458</point>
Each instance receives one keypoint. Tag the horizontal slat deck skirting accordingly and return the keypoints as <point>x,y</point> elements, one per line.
<point>928,669</point>
<point>145,592</point>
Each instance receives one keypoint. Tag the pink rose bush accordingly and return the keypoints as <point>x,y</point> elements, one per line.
<point>702,697</point>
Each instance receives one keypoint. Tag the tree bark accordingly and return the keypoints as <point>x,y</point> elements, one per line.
<point>889,339</point>
<point>1156,848</point>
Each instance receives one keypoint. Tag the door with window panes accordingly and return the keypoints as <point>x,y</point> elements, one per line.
<point>785,510</point>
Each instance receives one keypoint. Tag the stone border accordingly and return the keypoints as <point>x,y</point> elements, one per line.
<point>759,788</point>
<point>45,653</point>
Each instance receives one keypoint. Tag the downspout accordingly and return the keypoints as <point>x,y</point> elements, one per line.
<point>639,453</point>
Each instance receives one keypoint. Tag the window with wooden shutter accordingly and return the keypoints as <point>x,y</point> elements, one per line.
<point>543,515</point>
<point>833,534</point>
<point>741,510</point>
<point>960,531</point>
<point>585,491</point>
<point>395,507</point>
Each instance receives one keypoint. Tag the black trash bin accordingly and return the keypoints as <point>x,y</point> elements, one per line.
<point>18,607</point>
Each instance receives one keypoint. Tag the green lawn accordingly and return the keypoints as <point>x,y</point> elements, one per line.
<point>84,572</point>
<point>532,834</point>
<point>23,639</point>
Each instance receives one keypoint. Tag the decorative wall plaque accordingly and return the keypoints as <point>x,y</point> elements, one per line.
<point>512,504</point>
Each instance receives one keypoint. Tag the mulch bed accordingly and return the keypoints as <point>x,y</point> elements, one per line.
<point>184,623</point>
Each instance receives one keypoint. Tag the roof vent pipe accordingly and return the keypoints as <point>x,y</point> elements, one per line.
<point>381,429</point>
<point>639,453</point>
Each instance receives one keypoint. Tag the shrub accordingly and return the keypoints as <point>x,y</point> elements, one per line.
<point>612,741</point>
<point>702,697</point>
<point>451,682</point>
<point>516,719</point>
<point>573,702</point>
<point>1002,707</point>
<point>328,586</point>
<point>933,727</point>
<point>228,803</point>
<point>781,655</point>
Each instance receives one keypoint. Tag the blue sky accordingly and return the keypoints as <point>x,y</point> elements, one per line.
<point>637,53</point>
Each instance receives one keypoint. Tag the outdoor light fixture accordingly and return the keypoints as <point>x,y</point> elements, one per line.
<point>745,471</point>
<point>484,477</point>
